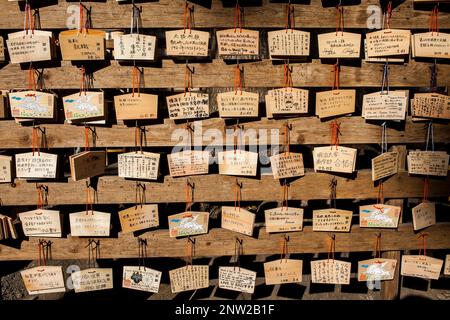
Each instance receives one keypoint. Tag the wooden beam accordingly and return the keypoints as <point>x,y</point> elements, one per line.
<point>220,242</point>
<point>305,131</point>
<point>169,14</point>
<point>218,188</point>
<point>218,74</point>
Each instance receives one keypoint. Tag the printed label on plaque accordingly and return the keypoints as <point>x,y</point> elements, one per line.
<point>330,271</point>
<point>431,105</point>
<point>284,219</point>
<point>139,165</point>
<point>139,218</point>
<point>77,45</point>
<point>188,163</point>
<point>384,165</point>
<point>379,216</point>
<point>447,265</point>
<point>86,105</point>
<point>39,165</point>
<point>137,106</point>
<point>431,45</point>
<point>188,223</point>
<point>340,159</point>
<point>291,43</point>
<point>433,163</point>
<point>424,215</point>
<point>30,46</point>
<point>283,271</point>
<point>420,266</point>
<point>43,279</point>
<point>41,223</point>
<point>192,43</point>
<point>339,45</point>
<point>141,278</point>
<point>90,224</point>
<point>32,104</point>
<point>5,169</point>
<point>388,42</point>
<point>376,269</point>
<point>134,47</point>
<point>239,42</point>
<point>237,279</point>
<point>287,165</point>
<point>385,106</point>
<point>191,105</point>
<point>92,279</point>
<point>240,104</point>
<point>239,163</point>
<point>87,164</point>
<point>189,278</point>
<point>334,220</point>
<point>238,220</point>
<point>286,101</point>
<point>335,102</point>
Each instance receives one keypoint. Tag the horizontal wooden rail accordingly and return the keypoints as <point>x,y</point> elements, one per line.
<point>220,242</point>
<point>218,74</point>
<point>169,14</point>
<point>305,130</point>
<point>216,188</point>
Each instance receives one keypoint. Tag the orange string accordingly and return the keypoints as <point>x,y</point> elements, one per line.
<point>83,21</point>
<point>331,247</point>
<point>238,18</point>
<point>336,70</point>
<point>31,78</point>
<point>287,139</point>
<point>83,80</point>
<point>426,189</point>
<point>29,19</point>
<point>339,19</point>
<point>434,20</point>
<point>187,21</point>
<point>289,17</point>
<point>89,204</point>
<point>187,80</point>
<point>136,81</point>
<point>424,243</point>
<point>40,199</point>
<point>335,133</point>
<point>237,79</point>
<point>35,143</point>
<point>284,249</point>
<point>237,201</point>
<point>86,139</point>
<point>380,197</point>
<point>287,76</point>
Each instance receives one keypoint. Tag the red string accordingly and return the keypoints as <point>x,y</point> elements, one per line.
<point>336,70</point>
<point>89,204</point>
<point>339,19</point>
<point>335,133</point>
<point>289,17</point>
<point>188,17</point>
<point>434,20</point>
<point>238,18</point>
<point>35,143</point>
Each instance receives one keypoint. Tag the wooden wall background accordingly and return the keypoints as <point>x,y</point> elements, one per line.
<point>213,75</point>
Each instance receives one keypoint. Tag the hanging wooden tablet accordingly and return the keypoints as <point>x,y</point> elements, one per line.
<point>238,42</point>
<point>333,220</point>
<point>384,165</point>
<point>433,163</point>
<point>330,271</point>
<point>237,279</point>
<point>189,43</point>
<point>136,106</point>
<point>32,104</point>
<point>188,223</point>
<point>424,215</point>
<point>141,278</point>
<point>379,216</point>
<point>90,224</point>
<point>238,163</point>
<point>87,164</point>
<point>335,102</point>
<point>30,46</point>
<point>339,45</point>
<point>378,269</point>
<point>134,47</point>
<point>43,279</point>
<point>238,104</point>
<point>420,266</point>
<point>92,279</point>
<point>188,278</point>
<point>139,165</point>
<point>288,43</point>
<point>431,105</point>
<point>7,228</point>
<point>188,163</point>
<point>238,220</point>
<point>340,159</point>
<point>36,166</point>
<point>431,45</point>
<point>286,101</point>
<point>287,165</point>
<point>190,105</point>
<point>139,217</point>
<point>284,219</point>
<point>380,105</point>
<point>82,45</point>
<point>5,169</point>
<point>87,105</point>
<point>388,42</point>
<point>283,271</point>
<point>447,265</point>
<point>41,223</point>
